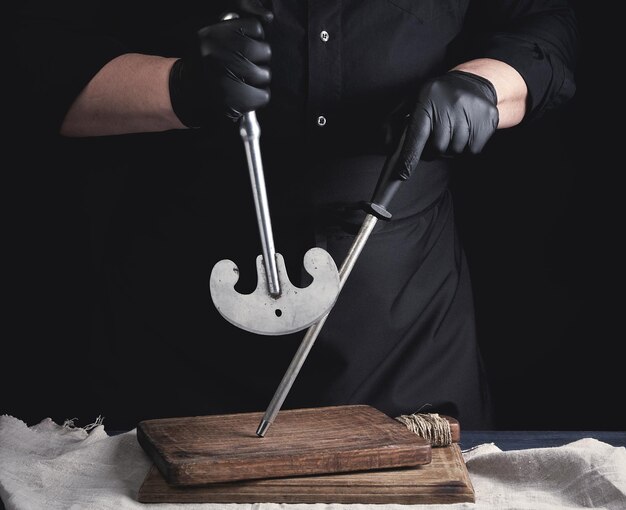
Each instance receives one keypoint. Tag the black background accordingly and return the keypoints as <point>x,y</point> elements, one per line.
<point>539,213</point>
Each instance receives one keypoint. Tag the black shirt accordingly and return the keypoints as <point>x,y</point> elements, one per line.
<point>167,206</point>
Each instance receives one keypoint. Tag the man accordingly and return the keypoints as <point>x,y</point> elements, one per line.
<point>149,93</point>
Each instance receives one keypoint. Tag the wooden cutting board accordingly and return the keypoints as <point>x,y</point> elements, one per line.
<point>444,480</point>
<point>199,450</point>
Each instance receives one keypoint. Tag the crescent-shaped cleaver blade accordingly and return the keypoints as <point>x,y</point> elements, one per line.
<point>294,309</point>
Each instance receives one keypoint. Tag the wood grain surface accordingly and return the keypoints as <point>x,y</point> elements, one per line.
<point>444,480</point>
<point>223,448</point>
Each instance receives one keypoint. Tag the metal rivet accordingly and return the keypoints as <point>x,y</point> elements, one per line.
<point>324,36</point>
<point>321,121</point>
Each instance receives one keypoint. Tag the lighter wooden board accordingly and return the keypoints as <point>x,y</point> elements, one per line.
<point>444,480</point>
<point>197,450</point>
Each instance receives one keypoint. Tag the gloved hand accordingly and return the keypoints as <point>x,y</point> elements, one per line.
<point>227,73</point>
<point>455,113</point>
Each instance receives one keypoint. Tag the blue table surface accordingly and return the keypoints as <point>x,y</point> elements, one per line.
<point>524,439</point>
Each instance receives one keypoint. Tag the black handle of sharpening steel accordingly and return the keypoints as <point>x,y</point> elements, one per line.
<point>387,186</point>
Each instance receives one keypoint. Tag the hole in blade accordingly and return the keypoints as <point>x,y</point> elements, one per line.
<point>278,312</point>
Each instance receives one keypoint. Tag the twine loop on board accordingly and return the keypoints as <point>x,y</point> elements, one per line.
<point>430,426</point>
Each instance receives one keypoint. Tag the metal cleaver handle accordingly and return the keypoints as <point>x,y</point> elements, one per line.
<point>250,132</point>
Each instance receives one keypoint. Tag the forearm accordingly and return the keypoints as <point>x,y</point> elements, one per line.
<point>130,94</point>
<point>510,88</point>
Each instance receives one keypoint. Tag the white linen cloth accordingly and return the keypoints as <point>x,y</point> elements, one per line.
<point>49,466</point>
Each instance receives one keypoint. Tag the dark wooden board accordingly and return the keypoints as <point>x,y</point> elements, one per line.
<point>444,480</point>
<point>223,448</point>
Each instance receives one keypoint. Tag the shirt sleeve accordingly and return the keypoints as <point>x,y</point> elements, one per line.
<point>59,47</point>
<point>538,38</point>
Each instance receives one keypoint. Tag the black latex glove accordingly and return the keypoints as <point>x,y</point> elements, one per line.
<point>455,113</point>
<point>227,72</point>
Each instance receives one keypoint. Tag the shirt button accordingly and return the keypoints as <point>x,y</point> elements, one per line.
<point>321,121</point>
<point>324,36</point>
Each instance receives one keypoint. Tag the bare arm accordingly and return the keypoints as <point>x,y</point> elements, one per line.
<point>509,84</point>
<point>130,94</point>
